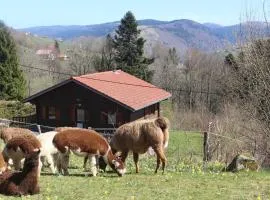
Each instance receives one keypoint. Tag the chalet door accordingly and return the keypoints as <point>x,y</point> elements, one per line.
<point>64,117</point>
<point>80,117</point>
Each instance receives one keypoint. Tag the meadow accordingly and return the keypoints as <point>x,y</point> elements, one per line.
<point>185,178</point>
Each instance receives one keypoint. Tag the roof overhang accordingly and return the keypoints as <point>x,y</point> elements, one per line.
<point>31,98</point>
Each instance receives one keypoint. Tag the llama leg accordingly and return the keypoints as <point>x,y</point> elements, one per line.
<point>93,164</point>
<point>56,162</point>
<point>64,162</point>
<point>84,163</point>
<point>136,158</point>
<point>43,160</point>
<point>51,163</point>
<point>102,164</point>
<point>124,155</point>
<point>59,164</point>
<point>160,157</point>
<point>39,166</point>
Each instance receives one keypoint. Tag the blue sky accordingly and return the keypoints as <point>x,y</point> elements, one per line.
<point>27,13</point>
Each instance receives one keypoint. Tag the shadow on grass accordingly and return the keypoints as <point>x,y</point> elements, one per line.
<point>101,174</point>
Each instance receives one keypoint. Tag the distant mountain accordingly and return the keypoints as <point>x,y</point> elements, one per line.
<point>181,34</point>
<point>212,25</point>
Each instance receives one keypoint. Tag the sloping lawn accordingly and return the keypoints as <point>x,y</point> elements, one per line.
<point>185,178</point>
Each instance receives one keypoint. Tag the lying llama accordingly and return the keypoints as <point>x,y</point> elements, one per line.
<point>7,133</point>
<point>138,136</point>
<point>14,151</point>
<point>48,151</point>
<point>86,143</point>
<point>25,182</point>
<point>3,165</point>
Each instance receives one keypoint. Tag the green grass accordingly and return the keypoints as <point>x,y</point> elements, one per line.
<point>185,178</point>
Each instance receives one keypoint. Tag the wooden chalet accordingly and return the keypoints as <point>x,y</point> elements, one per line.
<point>98,100</point>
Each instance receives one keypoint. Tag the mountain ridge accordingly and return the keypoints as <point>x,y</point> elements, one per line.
<point>181,33</point>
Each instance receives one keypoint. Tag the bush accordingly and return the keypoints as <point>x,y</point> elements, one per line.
<point>9,109</point>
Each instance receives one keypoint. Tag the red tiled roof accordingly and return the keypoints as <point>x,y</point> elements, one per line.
<point>123,88</point>
<point>43,51</point>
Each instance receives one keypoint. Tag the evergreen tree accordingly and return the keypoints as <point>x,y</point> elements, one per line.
<point>56,47</point>
<point>12,82</point>
<point>129,49</point>
<point>230,61</point>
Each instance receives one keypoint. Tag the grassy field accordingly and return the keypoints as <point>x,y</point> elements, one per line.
<point>185,178</point>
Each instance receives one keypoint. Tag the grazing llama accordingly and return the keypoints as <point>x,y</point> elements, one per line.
<point>13,148</point>
<point>7,133</point>
<point>49,153</point>
<point>86,143</point>
<point>138,136</point>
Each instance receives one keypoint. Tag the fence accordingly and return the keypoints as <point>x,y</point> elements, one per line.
<point>25,119</point>
<point>39,129</point>
<point>205,145</point>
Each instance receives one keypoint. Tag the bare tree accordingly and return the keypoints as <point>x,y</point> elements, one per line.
<point>81,59</point>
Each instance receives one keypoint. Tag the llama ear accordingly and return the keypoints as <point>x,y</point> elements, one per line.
<point>116,163</point>
<point>18,149</point>
<point>36,151</point>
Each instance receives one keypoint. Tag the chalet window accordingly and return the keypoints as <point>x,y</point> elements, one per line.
<point>51,112</point>
<point>43,112</point>
<point>111,118</point>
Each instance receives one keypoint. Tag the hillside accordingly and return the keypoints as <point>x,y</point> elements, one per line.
<point>178,33</point>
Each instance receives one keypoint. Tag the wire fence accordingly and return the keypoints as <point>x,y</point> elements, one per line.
<point>189,144</point>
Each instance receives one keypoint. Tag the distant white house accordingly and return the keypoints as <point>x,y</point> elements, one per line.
<point>50,53</point>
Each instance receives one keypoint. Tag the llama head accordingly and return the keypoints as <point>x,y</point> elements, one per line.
<point>118,166</point>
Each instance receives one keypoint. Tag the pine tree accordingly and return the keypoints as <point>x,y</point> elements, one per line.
<point>12,82</point>
<point>56,47</point>
<point>230,61</point>
<point>129,49</point>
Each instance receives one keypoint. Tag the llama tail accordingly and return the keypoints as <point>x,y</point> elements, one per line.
<point>166,137</point>
<point>163,123</point>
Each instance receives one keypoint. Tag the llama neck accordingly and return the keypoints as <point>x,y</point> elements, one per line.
<point>29,179</point>
<point>32,171</point>
<point>109,157</point>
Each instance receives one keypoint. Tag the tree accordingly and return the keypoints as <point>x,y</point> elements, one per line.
<point>129,49</point>
<point>253,79</point>
<point>81,59</point>
<point>56,47</point>
<point>230,61</point>
<point>105,62</point>
<point>12,82</point>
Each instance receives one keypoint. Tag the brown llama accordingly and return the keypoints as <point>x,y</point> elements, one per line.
<point>16,149</point>
<point>59,129</point>
<point>138,136</point>
<point>86,143</point>
<point>25,182</point>
<point>7,133</point>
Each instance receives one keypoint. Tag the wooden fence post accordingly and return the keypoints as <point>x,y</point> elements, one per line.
<point>205,146</point>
